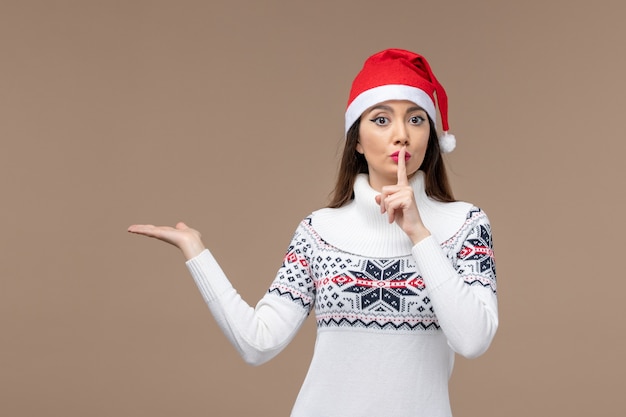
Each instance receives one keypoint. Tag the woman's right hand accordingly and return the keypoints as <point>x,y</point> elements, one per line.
<point>185,238</point>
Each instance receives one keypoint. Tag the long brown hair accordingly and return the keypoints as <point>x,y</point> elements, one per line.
<point>353,163</point>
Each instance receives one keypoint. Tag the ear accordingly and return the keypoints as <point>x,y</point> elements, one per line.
<point>359,148</point>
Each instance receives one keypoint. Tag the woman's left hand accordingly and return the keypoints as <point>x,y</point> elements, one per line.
<point>398,201</point>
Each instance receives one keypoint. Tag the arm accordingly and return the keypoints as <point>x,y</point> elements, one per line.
<point>463,291</point>
<point>257,333</point>
<point>465,309</point>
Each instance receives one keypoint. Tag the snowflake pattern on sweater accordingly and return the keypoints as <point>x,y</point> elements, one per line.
<point>349,290</point>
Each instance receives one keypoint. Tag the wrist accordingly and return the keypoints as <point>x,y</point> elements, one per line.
<point>192,248</point>
<point>419,234</point>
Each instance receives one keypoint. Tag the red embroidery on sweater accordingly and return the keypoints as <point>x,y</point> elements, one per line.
<point>361,282</point>
<point>475,250</point>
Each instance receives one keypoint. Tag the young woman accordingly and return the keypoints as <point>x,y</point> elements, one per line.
<point>400,275</point>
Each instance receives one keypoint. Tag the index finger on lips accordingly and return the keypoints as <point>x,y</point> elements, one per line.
<point>402,177</point>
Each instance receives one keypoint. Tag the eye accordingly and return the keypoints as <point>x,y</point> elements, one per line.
<point>380,121</point>
<point>416,120</point>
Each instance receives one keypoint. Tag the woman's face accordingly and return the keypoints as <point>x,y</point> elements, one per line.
<point>384,129</point>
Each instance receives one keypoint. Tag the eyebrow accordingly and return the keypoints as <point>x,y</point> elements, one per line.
<point>388,108</point>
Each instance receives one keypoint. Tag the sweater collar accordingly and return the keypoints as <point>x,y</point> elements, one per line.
<point>365,199</point>
<point>360,228</point>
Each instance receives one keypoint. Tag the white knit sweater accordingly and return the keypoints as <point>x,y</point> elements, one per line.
<point>390,315</point>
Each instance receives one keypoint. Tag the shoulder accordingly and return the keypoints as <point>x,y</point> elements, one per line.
<point>331,216</point>
<point>475,225</point>
<point>324,212</point>
<point>476,217</point>
<point>306,232</point>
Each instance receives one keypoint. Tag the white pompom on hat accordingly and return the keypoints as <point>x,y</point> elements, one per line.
<point>397,74</point>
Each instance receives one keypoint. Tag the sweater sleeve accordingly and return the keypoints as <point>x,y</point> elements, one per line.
<point>258,333</point>
<point>462,285</point>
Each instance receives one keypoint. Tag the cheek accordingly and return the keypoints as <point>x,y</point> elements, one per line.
<point>418,158</point>
<point>422,143</point>
<point>414,166</point>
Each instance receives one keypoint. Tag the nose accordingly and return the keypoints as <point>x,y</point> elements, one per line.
<point>400,135</point>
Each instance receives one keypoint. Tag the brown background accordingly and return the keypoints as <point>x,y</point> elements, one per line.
<point>229,115</point>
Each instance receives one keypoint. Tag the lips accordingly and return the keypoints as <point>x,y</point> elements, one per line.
<point>395,155</point>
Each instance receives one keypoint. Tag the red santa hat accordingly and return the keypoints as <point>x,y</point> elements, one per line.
<point>396,74</point>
